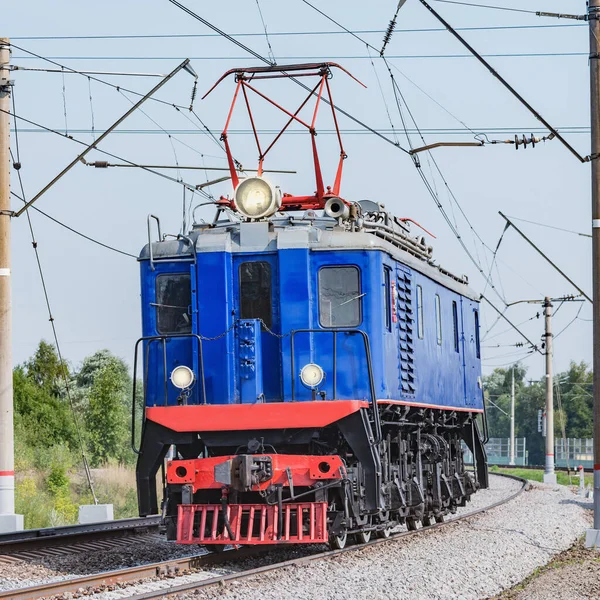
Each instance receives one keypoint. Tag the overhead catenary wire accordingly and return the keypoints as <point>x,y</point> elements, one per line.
<point>494,256</point>
<point>262,20</point>
<point>505,83</point>
<point>312,58</point>
<point>192,14</point>
<point>105,152</point>
<point>345,131</point>
<point>569,323</point>
<point>294,79</point>
<point>91,146</point>
<point>474,5</point>
<point>551,226</point>
<point>75,231</point>
<point>284,33</point>
<point>102,81</point>
<point>429,187</point>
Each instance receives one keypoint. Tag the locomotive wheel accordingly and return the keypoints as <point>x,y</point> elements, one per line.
<point>426,521</point>
<point>338,542</point>
<point>362,537</point>
<point>439,519</point>
<point>411,524</point>
<point>384,533</point>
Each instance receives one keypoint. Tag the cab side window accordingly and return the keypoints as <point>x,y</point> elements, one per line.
<point>173,300</point>
<point>340,299</point>
<point>256,292</point>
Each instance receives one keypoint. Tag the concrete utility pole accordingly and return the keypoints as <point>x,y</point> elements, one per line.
<point>512,420</point>
<point>8,520</point>
<point>592,538</point>
<point>549,474</point>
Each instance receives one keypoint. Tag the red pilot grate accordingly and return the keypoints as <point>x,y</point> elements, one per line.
<point>300,523</point>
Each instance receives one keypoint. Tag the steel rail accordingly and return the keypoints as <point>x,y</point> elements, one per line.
<point>39,538</point>
<point>178,566</point>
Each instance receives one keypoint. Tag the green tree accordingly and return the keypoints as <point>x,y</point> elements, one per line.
<point>575,390</point>
<point>106,416</point>
<point>42,414</point>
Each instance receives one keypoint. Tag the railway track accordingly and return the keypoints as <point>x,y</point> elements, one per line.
<point>181,566</point>
<point>36,543</point>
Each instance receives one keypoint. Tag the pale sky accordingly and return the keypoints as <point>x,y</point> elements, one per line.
<point>95,292</point>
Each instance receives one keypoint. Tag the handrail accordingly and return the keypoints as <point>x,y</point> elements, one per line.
<point>188,241</point>
<point>150,238</point>
<point>334,332</point>
<point>163,338</point>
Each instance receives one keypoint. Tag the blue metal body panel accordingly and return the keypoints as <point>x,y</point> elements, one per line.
<point>407,367</point>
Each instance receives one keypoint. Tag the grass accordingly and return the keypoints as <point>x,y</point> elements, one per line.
<point>562,477</point>
<point>576,555</point>
<point>47,502</point>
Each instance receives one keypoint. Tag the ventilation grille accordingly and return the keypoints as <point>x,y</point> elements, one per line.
<point>406,333</point>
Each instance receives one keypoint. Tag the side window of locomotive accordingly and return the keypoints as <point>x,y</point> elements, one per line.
<point>420,331</point>
<point>387,302</point>
<point>256,292</point>
<point>339,297</point>
<point>455,325</point>
<point>173,299</point>
<point>438,319</point>
<point>477,344</point>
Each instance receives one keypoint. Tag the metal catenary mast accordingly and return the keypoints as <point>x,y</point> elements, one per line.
<point>593,535</point>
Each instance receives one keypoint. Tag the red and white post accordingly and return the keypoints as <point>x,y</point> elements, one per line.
<point>9,521</point>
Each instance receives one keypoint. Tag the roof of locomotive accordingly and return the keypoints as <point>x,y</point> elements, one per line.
<point>376,231</point>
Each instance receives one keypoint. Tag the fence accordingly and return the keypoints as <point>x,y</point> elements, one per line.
<point>498,452</point>
<point>572,452</point>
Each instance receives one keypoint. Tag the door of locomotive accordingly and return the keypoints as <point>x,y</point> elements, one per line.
<point>170,317</point>
<point>256,296</point>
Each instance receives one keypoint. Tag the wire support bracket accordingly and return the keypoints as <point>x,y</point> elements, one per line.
<point>503,81</point>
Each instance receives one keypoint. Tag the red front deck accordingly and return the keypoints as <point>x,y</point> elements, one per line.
<point>248,417</point>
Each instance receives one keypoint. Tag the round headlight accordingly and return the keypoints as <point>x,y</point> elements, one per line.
<point>256,198</point>
<point>312,375</point>
<point>182,377</point>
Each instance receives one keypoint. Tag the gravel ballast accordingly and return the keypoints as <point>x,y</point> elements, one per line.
<point>475,558</point>
<point>471,559</point>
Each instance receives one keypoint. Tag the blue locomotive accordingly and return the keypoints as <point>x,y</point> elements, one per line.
<point>310,370</point>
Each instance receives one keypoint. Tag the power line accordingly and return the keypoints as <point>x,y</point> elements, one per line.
<point>575,130</point>
<point>220,32</point>
<point>79,233</point>
<point>317,58</point>
<point>428,186</point>
<point>570,322</point>
<point>284,33</point>
<point>519,10</point>
<point>552,227</point>
<point>102,81</point>
<point>294,79</point>
<point>70,137</point>
<point>262,20</point>
<point>55,334</point>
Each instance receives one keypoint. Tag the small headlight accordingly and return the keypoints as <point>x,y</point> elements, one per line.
<point>312,375</point>
<point>256,198</point>
<point>182,377</point>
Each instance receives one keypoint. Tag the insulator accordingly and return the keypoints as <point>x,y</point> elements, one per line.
<point>193,95</point>
<point>388,35</point>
